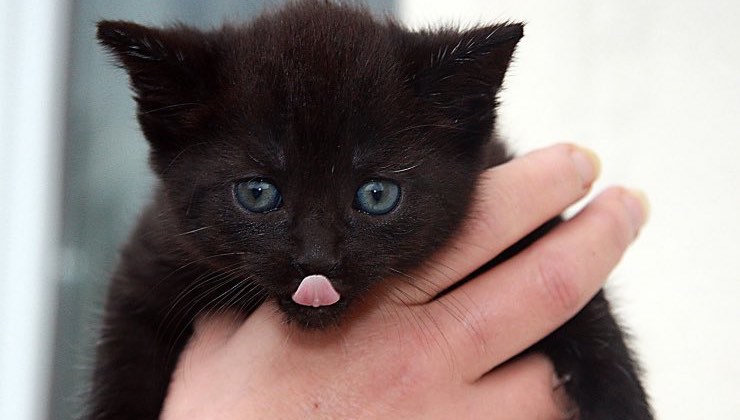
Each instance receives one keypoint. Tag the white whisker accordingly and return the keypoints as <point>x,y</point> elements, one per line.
<point>407,169</point>
<point>194,230</point>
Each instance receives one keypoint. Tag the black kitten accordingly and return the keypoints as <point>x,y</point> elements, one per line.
<point>303,158</point>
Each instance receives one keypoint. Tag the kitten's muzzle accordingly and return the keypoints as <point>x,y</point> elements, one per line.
<point>308,264</point>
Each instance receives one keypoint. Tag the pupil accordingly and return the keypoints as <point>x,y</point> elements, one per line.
<point>256,192</point>
<point>377,194</point>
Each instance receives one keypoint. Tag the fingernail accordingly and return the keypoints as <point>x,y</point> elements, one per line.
<point>638,207</point>
<point>587,164</point>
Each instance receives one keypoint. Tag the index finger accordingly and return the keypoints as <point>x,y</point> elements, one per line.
<point>512,200</point>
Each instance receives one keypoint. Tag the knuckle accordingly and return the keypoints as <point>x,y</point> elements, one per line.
<point>559,282</point>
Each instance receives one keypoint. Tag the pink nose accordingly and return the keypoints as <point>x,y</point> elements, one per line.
<point>315,290</point>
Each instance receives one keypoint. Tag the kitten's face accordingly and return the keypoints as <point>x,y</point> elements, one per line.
<point>323,144</point>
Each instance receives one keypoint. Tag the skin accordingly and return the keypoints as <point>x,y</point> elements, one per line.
<point>404,355</point>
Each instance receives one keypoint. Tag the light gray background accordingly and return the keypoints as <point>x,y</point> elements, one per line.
<point>654,88</point>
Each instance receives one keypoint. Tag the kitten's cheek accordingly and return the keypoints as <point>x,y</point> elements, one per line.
<point>316,290</point>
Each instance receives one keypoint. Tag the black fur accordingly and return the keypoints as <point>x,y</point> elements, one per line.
<point>317,98</point>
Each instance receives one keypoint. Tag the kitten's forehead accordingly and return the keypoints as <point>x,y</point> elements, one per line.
<point>312,54</point>
<point>325,90</point>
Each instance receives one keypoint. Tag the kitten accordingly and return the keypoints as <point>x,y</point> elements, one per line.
<point>304,157</point>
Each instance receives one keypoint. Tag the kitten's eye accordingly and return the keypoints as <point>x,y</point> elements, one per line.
<point>258,195</point>
<point>377,197</point>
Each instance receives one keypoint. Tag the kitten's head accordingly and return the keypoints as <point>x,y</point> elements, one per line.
<point>315,141</point>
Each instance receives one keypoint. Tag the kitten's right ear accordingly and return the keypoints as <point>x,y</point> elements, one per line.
<point>168,68</point>
<point>460,72</point>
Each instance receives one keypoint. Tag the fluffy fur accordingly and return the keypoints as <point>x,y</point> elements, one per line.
<point>318,98</point>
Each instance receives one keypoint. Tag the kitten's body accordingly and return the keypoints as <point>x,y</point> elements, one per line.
<point>317,99</point>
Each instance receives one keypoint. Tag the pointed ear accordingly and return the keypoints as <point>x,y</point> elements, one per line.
<point>461,72</point>
<point>169,70</point>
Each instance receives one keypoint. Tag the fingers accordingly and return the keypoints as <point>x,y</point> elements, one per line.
<point>517,303</point>
<point>512,200</point>
<point>211,331</point>
<point>524,388</point>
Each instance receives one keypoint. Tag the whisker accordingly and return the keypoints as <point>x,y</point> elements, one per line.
<point>194,230</point>
<point>190,264</point>
<point>412,281</point>
<point>406,169</point>
<point>434,265</point>
<point>180,105</point>
<point>222,298</point>
<point>447,349</point>
<point>178,155</point>
<point>213,302</point>
<point>416,127</point>
<point>247,288</point>
<point>194,285</point>
<point>452,305</point>
<point>177,317</point>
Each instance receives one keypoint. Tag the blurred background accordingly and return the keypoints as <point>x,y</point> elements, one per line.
<point>652,87</point>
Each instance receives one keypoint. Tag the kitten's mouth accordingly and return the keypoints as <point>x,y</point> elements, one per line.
<point>315,304</point>
<point>316,290</point>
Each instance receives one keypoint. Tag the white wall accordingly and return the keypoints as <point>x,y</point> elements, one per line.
<point>654,88</point>
<point>32,64</point>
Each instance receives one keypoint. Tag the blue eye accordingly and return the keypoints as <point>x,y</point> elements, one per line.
<point>258,195</point>
<point>377,197</point>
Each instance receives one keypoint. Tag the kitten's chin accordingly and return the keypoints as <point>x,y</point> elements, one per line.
<point>313,318</point>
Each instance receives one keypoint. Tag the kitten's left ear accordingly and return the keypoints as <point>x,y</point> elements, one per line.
<point>461,72</point>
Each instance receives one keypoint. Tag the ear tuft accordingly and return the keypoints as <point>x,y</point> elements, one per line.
<point>476,44</point>
<point>479,55</point>
<point>129,41</point>
<point>171,71</point>
<point>460,72</point>
<point>155,59</point>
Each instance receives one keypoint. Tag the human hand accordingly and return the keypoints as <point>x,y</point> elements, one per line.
<point>406,355</point>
